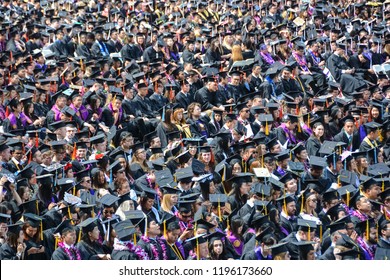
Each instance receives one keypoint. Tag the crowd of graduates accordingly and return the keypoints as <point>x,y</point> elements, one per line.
<point>186,130</point>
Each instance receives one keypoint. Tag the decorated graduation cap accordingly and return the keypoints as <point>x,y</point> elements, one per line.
<point>184,175</point>
<point>372,126</point>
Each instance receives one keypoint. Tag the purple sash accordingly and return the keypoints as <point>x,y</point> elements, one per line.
<point>82,110</point>
<point>23,118</point>
<point>288,133</point>
<point>120,112</point>
<point>57,113</point>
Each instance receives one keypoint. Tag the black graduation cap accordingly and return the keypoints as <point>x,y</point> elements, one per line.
<point>148,192</point>
<point>372,126</point>
<point>27,172</point>
<point>97,139</point>
<point>4,218</point>
<point>218,199</point>
<point>164,177</point>
<point>352,254</point>
<point>124,230</point>
<point>275,184</point>
<point>63,227</point>
<point>318,162</point>
<point>15,228</point>
<point>279,248</point>
<point>169,190</point>
<point>115,167</point>
<point>108,200</point>
<point>306,225</point>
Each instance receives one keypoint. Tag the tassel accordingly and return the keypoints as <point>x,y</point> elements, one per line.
<point>302,202</point>
<point>197,249</point>
<point>74,151</point>
<point>266,128</point>
<point>37,206</point>
<point>10,56</point>
<point>56,242</point>
<point>348,197</point>
<point>321,232</point>
<point>79,238</point>
<point>30,156</point>
<point>7,112</point>
<point>36,140</point>
<point>41,230</point>
<point>219,210</point>
<point>383,184</point>
<point>155,86</point>
<point>299,128</point>
<point>367,230</point>
<point>281,112</point>
<point>135,239</point>
<point>70,216</point>
<point>338,181</point>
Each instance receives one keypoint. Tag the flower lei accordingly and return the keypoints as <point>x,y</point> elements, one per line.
<point>163,247</point>
<point>268,58</point>
<point>154,250</point>
<point>68,251</point>
<point>301,61</point>
<point>128,246</point>
<point>362,217</point>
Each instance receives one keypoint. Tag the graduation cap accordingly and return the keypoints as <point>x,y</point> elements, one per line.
<point>97,139</point>
<point>352,254</point>
<point>306,225</point>
<point>279,249</point>
<point>4,218</point>
<point>35,221</point>
<point>15,228</point>
<point>275,184</point>
<point>372,126</point>
<point>317,162</point>
<point>184,175</point>
<point>108,200</point>
<point>148,192</point>
<point>124,230</point>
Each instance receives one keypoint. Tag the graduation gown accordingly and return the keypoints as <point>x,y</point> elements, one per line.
<point>382,250</point>
<point>89,251</point>
<point>293,249</point>
<point>40,256</point>
<point>342,137</point>
<point>59,254</point>
<point>313,146</point>
<point>123,255</point>
<point>148,248</point>
<point>7,252</point>
<point>288,225</point>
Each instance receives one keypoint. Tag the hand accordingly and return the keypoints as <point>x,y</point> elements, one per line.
<point>21,247</point>
<point>41,250</point>
<point>3,180</point>
<point>95,116</point>
<point>51,205</point>
<point>32,250</point>
<point>91,128</point>
<point>354,235</point>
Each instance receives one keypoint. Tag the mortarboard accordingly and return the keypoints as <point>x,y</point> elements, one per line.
<point>108,200</point>
<point>278,249</point>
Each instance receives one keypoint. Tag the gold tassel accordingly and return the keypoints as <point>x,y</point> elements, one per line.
<point>135,239</point>
<point>79,238</point>
<point>383,184</point>
<point>321,232</point>
<point>266,128</point>
<point>197,249</point>
<point>367,230</point>
<point>56,242</point>
<point>348,197</point>
<point>299,128</point>
<point>303,198</point>
<point>37,206</point>
<point>70,216</point>
<point>308,233</point>
<point>41,230</point>
<point>219,210</point>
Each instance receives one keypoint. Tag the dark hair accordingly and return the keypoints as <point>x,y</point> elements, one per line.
<point>235,224</point>
<point>213,255</point>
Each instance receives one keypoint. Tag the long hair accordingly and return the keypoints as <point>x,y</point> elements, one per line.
<point>36,238</point>
<point>166,204</point>
<point>236,53</point>
<point>213,255</point>
<point>191,108</point>
<point>175,117</point>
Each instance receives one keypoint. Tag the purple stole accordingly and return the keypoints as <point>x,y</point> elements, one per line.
<point>259,256</point>
<point>288,133</point>
<point>281,171</point>
<point>57,113</point>
<point>23,118</point>
<point>237,244</point>
<point>120,112</point>
<point>82,110</point>
<point>307,129</point>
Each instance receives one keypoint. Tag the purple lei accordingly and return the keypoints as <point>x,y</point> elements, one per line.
<point>260,256</point>
<point>82,110</point>
<point>368,252</point>
<point>362,217</point>
<point>128,246</point>
<point>268,58</point>
<point>288,133</point>
<point>154,249</point>
<point>68,251</point>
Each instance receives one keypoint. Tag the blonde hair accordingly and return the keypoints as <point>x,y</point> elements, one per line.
<point>237,53</point>
<point>166,204</point>
<point>280,257</point>
<point>143,164</point>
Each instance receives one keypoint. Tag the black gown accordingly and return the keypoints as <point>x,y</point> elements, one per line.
<point>60,254</point>
<point>313,146</point>
<point>8,253</point>
<point>90,251</point>
<point>123,255</point>
<point>40,256</point>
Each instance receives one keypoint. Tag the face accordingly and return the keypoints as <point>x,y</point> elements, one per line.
<point>172,236</point>
<point>364,205</point>
<point>81,153</point>
<point>108,212</point>
<point>310,256</point>
<point>18,154</point>
<point>154,228</point>
<point>206,157</point>
<point>349,127</point>
<point>149,204</point>
<point>373,192</point>
<point>319,131</point>
<point>291,208</point>
<point>94,235</point>
<point>218,247</point>
<point>174,199</point>
<point>86,182</point>
<point>245,188</point>
<point>70,237</point>
<point>236,168</point>
<point>291,186</point>
<point>61,102</point>
<point>31,231</point>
